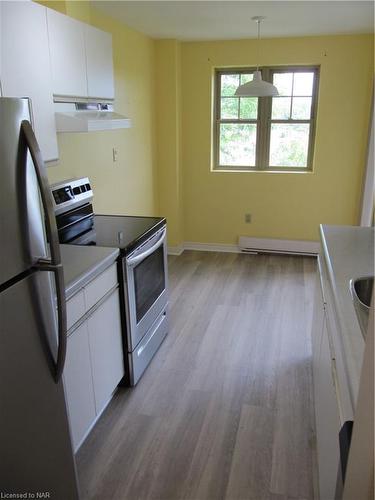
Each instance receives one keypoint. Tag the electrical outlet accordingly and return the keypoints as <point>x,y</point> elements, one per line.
<point>248,218</point>
<point>114,154</point>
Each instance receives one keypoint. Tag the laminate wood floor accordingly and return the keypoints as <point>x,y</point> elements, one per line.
<point>224,411</point>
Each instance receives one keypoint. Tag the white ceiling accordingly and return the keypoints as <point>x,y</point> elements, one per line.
<point>223,20</point>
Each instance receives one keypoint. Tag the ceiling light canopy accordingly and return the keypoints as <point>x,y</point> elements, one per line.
<point>257,87</point>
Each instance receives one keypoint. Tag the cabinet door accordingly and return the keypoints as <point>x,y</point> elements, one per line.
<point>99,63</point>
<point>106,349</point>
<point>327,419</point>
<point>317,326</point>
<point>25,67</point>
<point>78,385</point>
<point>68,59</point>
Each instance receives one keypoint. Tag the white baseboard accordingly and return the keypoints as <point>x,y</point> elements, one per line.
<point>177,250</point>
<point>248,244</point>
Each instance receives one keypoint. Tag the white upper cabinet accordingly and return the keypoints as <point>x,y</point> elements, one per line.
<point>68,57</point>
<point>25,67</point>
<point>81,58</point>
<point>99,63</point>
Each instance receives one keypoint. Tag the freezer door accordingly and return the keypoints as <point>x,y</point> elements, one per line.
<point>35,443</point>
<point>21,218</point>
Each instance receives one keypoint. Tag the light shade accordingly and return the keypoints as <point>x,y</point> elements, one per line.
<point>256,88</point>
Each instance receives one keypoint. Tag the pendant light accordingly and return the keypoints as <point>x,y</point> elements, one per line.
<point>257,87</point>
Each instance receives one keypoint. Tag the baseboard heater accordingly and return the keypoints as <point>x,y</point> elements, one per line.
<point>248,244</point>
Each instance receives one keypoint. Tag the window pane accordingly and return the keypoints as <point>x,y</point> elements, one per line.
<point>246,77</point>
<point>249,108</point>
<point>237,144</point>
<point>301,108</point>
<point>281,108</point>
<point>229,84</point>
<point>229,107</point>
<point>303,83</point>
<point>283,82</point>
<point>289,144</point>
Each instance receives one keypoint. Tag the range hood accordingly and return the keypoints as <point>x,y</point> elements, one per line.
<point>88,117</point>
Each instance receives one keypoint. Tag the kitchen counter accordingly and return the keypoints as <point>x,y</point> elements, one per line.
<point>83,263</point>
<point>348,253</point>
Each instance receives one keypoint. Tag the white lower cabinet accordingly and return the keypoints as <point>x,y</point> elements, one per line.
<point>327,419</point>
<point>326,396</point>
<point>78,384</point>
<point>106,350</point>
<point>94,360</point>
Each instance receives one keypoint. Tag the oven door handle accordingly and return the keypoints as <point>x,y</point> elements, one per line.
<point>133,261</point>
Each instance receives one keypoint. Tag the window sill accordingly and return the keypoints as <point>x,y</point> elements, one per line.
<point>259,171</point>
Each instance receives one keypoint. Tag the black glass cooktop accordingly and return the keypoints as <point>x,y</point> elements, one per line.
<point>120,231</point>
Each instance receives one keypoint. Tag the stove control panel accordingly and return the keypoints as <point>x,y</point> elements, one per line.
<point>70,194</point>
<point>62,195</point>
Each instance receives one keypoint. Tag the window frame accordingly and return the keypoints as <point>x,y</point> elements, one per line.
<point>263,121</point>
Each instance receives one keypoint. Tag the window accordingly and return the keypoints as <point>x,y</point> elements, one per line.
<point>266,133</point>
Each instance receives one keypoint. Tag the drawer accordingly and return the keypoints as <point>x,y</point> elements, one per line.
<point>98,287</point>
<point>145,350</point>
<point>75,308</point>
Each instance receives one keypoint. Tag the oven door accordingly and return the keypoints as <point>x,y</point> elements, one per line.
<point>146,287</point>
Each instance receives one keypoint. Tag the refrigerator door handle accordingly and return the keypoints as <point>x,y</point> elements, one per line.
<point>57,269</point>
<point>54,264</point>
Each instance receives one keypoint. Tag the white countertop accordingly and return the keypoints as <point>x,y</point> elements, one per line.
<point>348,253</point>
<point>83,263</point>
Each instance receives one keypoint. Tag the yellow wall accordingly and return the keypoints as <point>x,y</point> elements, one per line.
<point>79,9</point>
<point>168,136</point>
<point>129,185</point>
<point>59,5</point>
<point>282,205</point>
<point>165,87</point>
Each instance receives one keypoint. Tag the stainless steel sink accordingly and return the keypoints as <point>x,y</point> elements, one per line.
<point>361,290</point>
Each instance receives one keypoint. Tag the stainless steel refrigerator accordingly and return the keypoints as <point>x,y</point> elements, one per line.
<point>36,454</point>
